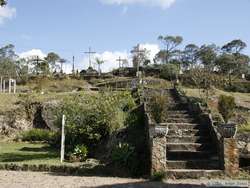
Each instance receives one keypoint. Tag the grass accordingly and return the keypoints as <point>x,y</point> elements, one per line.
<point>26,153</point>
<point>245,128</point>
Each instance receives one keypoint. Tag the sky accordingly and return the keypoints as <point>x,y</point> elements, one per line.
<point>113,27</point>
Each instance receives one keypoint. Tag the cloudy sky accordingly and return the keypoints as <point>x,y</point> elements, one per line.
<point>113,27</point>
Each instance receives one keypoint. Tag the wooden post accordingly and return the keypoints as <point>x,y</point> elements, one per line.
<point>4,86</point>
<point>14,86</point>
<point>10,85</point>
<point>63,139</point>
<point>1,85</point>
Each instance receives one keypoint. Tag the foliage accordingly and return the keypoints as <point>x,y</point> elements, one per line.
<point>37,135</point>
<point>226,106</point>
<point>91,118</point>
<point>81,152</point>
<point>170,43</point>
<point>122,154</point>
<point>207,55</point>
<point>3,2</point>
<point>242,87</point>
<point>169,71</point>
<point>245,127</point>
<point>158,176</point>
<point>157,104</point>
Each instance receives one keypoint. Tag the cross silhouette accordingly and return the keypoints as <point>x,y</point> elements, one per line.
<point>90,53</point>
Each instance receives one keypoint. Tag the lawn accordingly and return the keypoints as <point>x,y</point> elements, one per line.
<point>26,153</point>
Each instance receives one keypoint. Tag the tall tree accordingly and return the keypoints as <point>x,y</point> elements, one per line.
<point>3,2</point>
<point>170,47</point>
<point>207,54</point>
<point>52,58</point>
<point>190,55</point>
<point>99,62</point>
<point>234,47</point>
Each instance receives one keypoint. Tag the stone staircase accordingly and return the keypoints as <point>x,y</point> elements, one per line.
<point>190,151</point>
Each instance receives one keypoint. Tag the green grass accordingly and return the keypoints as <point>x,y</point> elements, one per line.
<point>245,128</point>
<point>26,153</point>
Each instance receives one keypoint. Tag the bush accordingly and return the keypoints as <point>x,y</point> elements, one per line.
<point>157,104</point>
<point>81,152</point>
<point>241,87</point>
<point>158,176</point>
<point>169,71</point>
<point>122,154</point>
<point>226,106</point>
<point>92,118</point>
<point>40,135</point>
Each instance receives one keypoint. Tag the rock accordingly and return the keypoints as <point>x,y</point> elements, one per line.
<point>49,115</point>
<point>247,149</point>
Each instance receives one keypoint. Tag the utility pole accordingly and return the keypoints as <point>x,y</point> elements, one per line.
<point>90,52</point>
<point>120,60</point>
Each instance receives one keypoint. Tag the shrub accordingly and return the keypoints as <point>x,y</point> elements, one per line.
<point>91,118</point>
<point>158,176</point>
<point>242,87</point>
<point>122,154</point>
<point>157,104</point>
<point>81,152</point>
<point>37,135</point>
<point>226,106</point>
<point>169,71</point>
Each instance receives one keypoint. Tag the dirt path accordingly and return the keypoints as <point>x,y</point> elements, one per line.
<point>9,179</point>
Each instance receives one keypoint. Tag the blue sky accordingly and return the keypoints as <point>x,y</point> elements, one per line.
<point>113,27</point>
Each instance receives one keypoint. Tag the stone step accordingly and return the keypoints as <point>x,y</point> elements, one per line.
<point>181,125</point>
<point>179,120</point>
<point>190,155</point>
<point>188,139</point>
<point>179,112</point>
<point>188,132</point>
<point>192,173</point>
<point>189,146</point>
<point>179,115</point>
<point>193,164</point>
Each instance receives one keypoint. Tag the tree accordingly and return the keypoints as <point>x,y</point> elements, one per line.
<point>232,61</point>
<point>8,58</point>
<point>207,54</point>
<point>99,62</point>
<point>52,58</point>
<point>234,47</point>
<point>3,2</point>
<point>170,43</point>
<point>190,55</point>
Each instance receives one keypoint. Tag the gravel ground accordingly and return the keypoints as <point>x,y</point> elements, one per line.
<point>13,179</point>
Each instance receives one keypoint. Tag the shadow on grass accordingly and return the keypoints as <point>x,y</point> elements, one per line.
<point>41,149</point>
<point>16,157</point>
<point>29,153</point>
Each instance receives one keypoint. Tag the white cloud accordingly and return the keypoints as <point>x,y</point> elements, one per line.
<point>32,53</point>
<point>6,12</point>
<point>160,3</point>
<point>152,50</point>
<point>110,58</point>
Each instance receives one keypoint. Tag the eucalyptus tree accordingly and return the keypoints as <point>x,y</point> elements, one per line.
<point>232,61</point>
<point>170,44</point>
<point>52,58</point>
<point>3,2</point>
<point>207,55</point>
<point>190,55</point>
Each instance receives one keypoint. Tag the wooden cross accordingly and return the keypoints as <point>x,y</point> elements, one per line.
<point>138,52</point>
<point>90,53</point>
<point>73,66</point>
<point>62,61</point>
<point>120,60</point>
